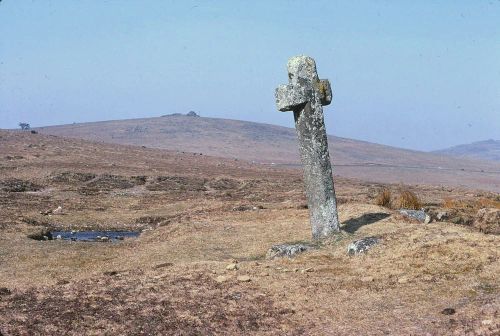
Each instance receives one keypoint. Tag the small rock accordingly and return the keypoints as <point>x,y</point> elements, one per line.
<point>264,274</point>
<point>448,311</point>
<point>288,250</point>
<point>403,280</point>
<point>367,279</point>
<point>428,278</point>
<point>442,215</point>
<point>5,291</point>
<point>232,267</point>
<point>486,322</point>
<point>418,215</point>
<point>362,245</point>
<point>57,210</point>
<point>247,207</point>
<point>110,273</point>
<point>104,239</point>
<point>162,265</point>
<point>58,237</point>
<point>243,278</point>
<point>221,278</point>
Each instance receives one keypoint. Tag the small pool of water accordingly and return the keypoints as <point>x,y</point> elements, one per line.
<point>90,236</point>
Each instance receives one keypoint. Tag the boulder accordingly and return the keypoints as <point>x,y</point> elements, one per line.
<point>488,220</point>
<point>362,245</point>
<point>418,215</point>
<point>288,250</point>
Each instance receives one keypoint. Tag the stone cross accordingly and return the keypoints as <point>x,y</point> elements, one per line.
<point>305,95</point>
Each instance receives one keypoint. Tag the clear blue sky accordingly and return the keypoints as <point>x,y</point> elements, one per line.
<point>414,74</point>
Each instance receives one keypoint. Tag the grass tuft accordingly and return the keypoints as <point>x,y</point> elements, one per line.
<point>409,200</point>
<point>384,198</point>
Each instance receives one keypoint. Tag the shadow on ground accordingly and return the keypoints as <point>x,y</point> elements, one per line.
<point>352,225</point>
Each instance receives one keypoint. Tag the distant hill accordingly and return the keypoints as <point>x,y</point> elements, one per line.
<point>271,144</point>
<point>483,150</point>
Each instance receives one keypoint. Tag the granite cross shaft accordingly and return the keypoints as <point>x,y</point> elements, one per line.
<point>305,95</point>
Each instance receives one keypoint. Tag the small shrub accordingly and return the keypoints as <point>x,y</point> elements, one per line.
<point>408,200</point>
<point>383,198</point>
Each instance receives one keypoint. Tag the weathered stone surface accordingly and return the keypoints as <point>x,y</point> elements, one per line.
<point>362,245</point>
<point>418,215</point>
<point>488,220</point>
<point>287,250</point>
<point>305,95</point>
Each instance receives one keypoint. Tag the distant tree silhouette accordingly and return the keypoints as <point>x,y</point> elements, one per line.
<point>24,126</point>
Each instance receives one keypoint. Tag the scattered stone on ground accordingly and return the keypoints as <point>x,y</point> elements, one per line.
<point>247,207</point>
<point>448,311</point>
<point>403,280</point>
<point>243,278</point>
<point>442,215</point>
<point>488,220</point>
<point>362,245</point>
<point>162,265</point>
<point>418,215</point>
<point>232,267</point>
<point>221,278</point>
<point>4,291</point>
<point>58,210</point>
<point>288,250</point>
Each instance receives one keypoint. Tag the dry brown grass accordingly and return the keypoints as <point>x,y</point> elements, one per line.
<point>384,198</point>
<point>409,200</point>
<point>470,204</point>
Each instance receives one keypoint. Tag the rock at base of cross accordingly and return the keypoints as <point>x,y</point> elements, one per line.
<point>418,215</point>
<point>362,245</point>
<point>288,250</point>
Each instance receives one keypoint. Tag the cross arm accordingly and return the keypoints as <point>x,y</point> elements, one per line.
<point>292,96</point>
<point>289,97</point>
<point>325,91</point>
